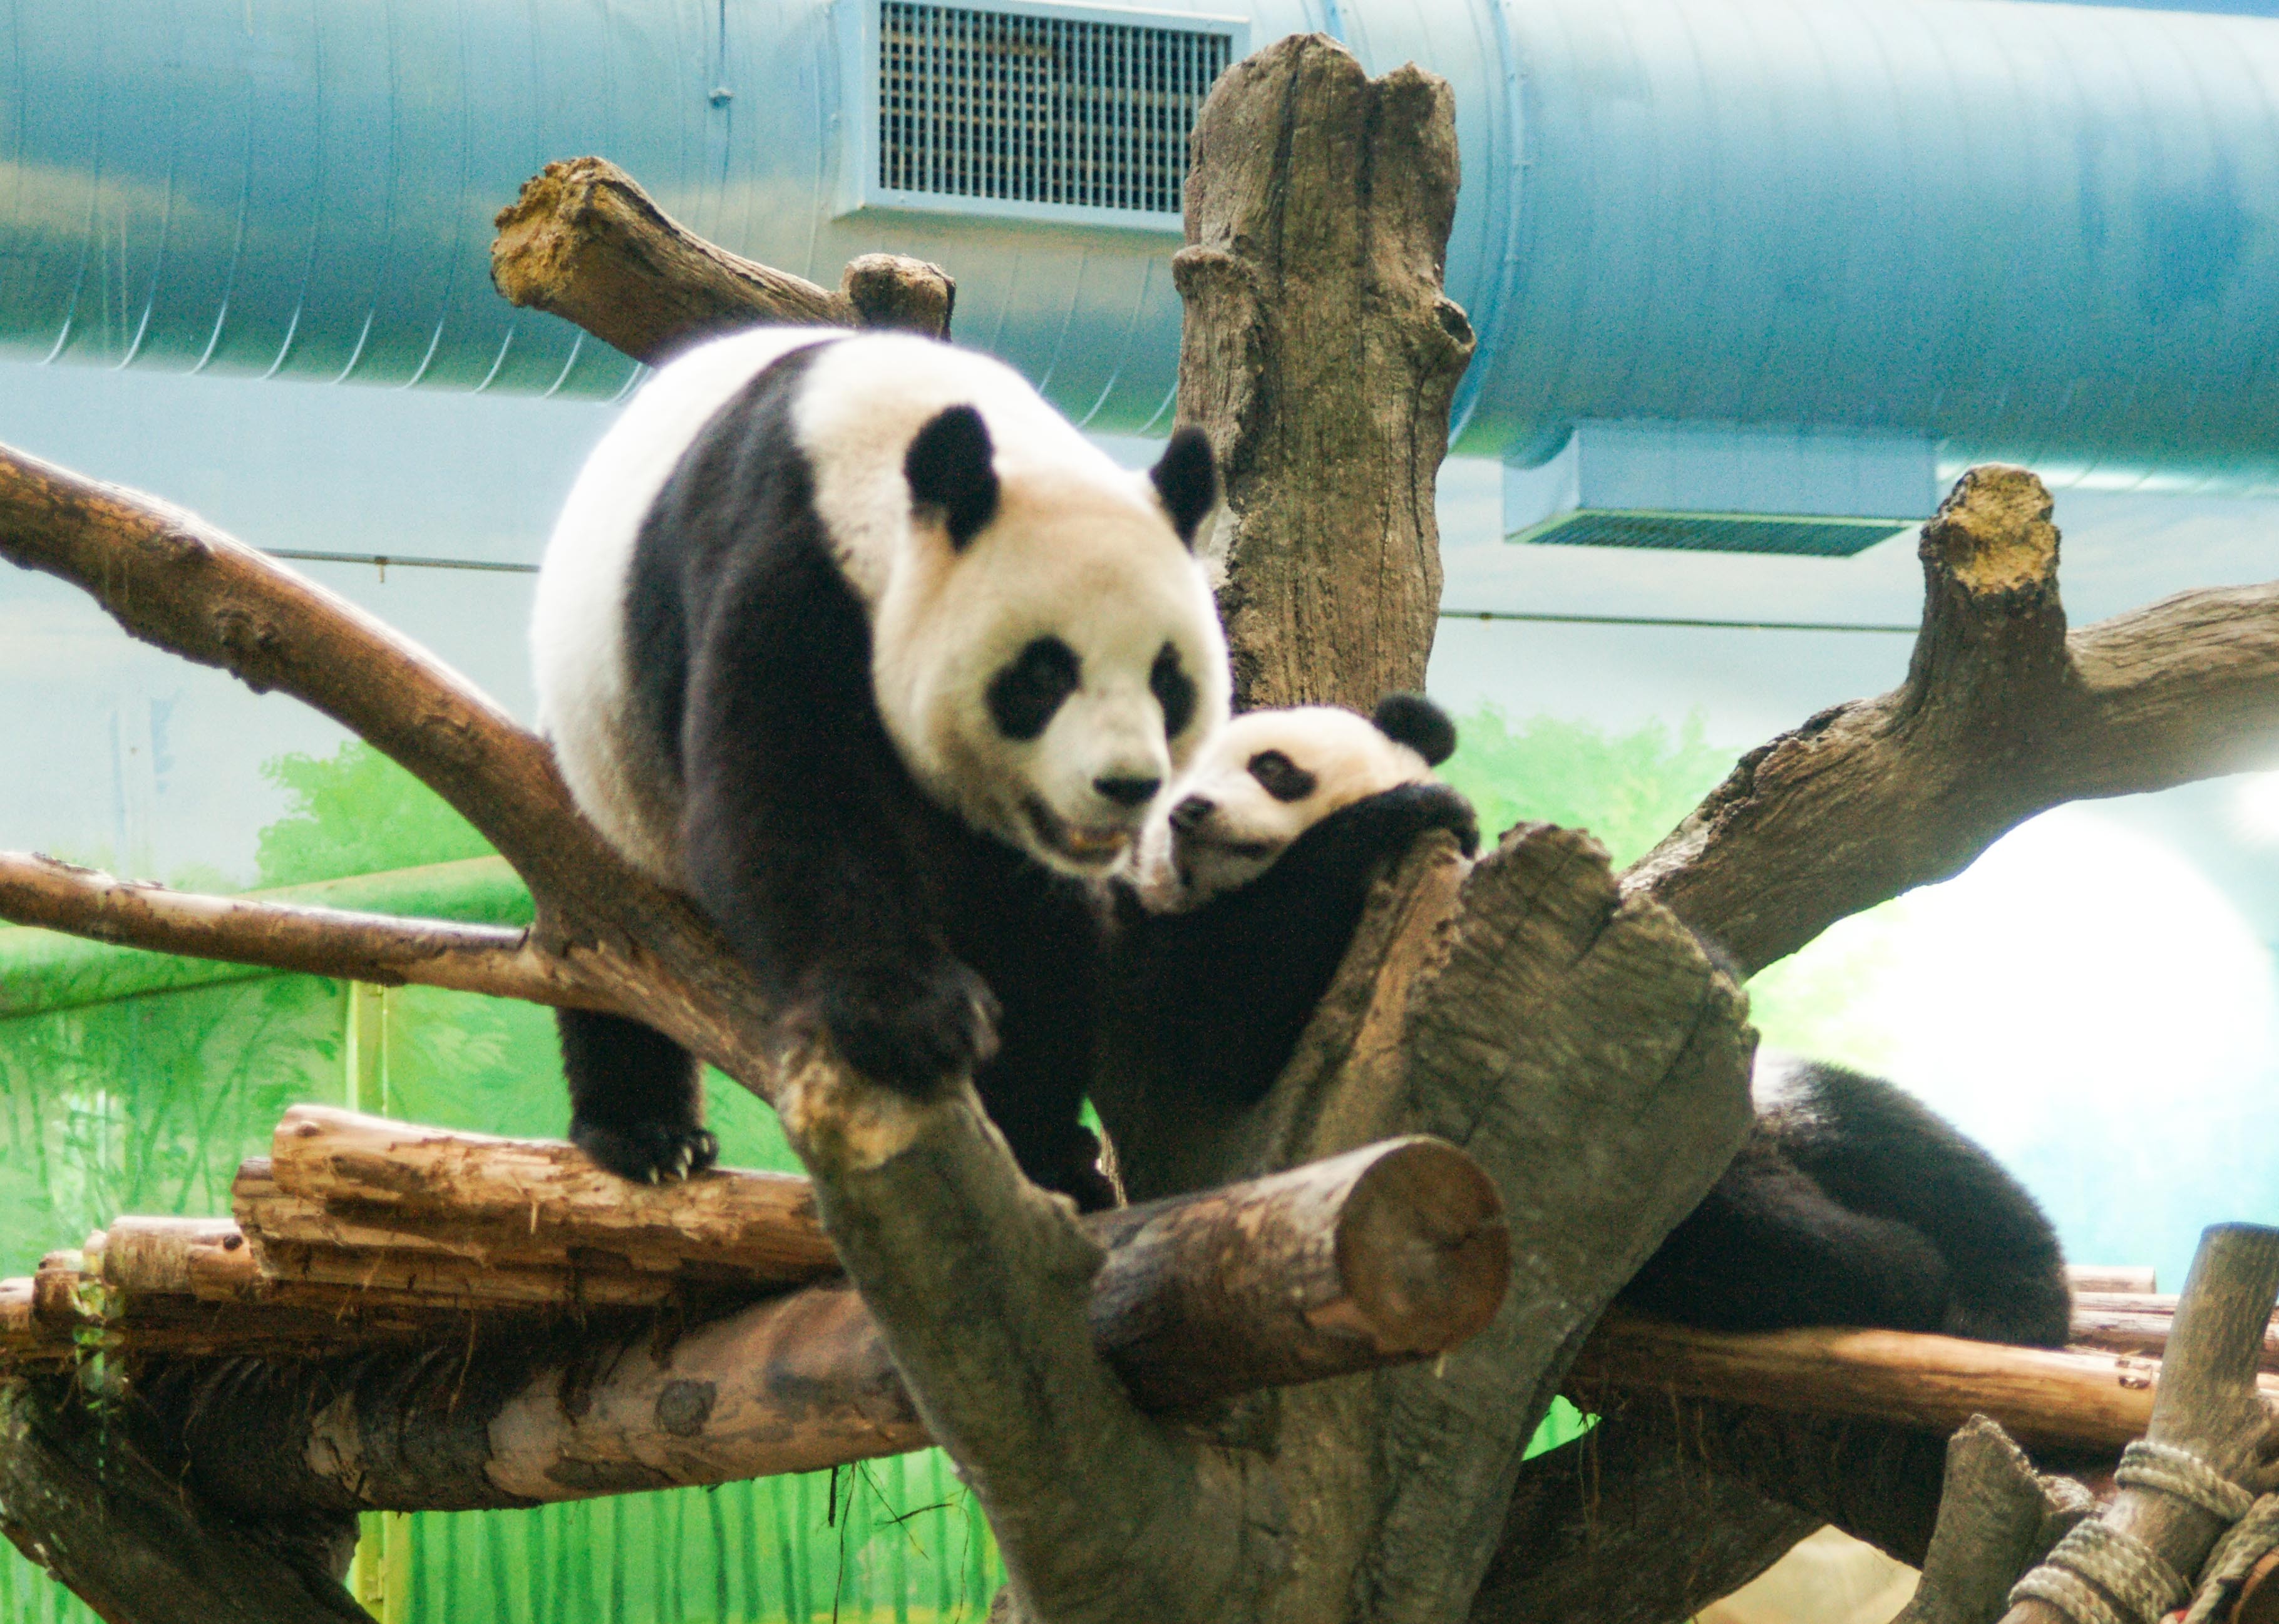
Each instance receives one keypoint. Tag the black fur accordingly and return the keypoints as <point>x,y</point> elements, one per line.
<point>1217,998</point>
<point>1417,722</point>
<point>854,900</point>
<point>948,467</point>
<point>636,1098</point>
<point>1022,697</point>
<point>1185,477</point>
<point>1859,1206</point>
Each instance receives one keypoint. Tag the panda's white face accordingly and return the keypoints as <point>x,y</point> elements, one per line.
<point>1266,778</point>
<point>1050,676</point>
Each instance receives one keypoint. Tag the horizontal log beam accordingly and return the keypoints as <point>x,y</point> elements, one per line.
<point>533,1201</point>
<point>2043,1398</point>
<point>1387,1254</point>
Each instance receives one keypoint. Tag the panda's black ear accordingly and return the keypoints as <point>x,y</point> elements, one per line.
<point>1417,722</point>
<point>1186,481</point>
<point>948,468</point>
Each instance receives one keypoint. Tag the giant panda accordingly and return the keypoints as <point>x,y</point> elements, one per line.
<point>860,644</point>
<point>1850,1202</point>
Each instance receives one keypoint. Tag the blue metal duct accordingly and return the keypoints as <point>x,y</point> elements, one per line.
<point>2038,232</point>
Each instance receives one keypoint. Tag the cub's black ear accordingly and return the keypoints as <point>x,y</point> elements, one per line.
<point>1186,481</point>
<point>1417,722</point>
<point>948,468</point>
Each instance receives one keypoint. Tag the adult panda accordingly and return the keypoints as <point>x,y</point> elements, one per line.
<point>860,644</point>
<point>1849,1204</point>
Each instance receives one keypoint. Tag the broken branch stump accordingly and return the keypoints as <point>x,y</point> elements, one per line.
<point>585,242</point>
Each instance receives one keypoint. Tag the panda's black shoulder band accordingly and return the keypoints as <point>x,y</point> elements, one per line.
<point>1417,722</point>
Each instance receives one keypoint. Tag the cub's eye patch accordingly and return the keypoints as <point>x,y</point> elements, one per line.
<point>1024,695</point>
<point>1280,777</point>
<point>1174,691</point>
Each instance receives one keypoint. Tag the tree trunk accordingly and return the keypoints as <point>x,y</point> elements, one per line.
<point>1319,355</point>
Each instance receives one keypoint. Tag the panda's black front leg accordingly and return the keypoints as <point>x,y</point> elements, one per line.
<point>806,838</point>
<point>636,1098</point>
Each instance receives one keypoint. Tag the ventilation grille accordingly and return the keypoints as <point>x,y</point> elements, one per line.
<point>1717,532</point>
<point>1038,109</point>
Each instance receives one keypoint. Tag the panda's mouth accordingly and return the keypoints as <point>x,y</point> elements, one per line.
<point>1089,848</point>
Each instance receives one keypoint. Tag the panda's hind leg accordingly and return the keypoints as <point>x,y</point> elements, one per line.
<point>636,1098</point>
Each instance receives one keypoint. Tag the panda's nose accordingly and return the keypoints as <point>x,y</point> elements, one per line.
<point>1128,792</point>
<point>1190,812</point>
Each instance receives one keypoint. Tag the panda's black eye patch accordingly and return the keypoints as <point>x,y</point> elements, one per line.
<point>1024,695</point>
<point>1174,691</point>
<point>1280,777</point>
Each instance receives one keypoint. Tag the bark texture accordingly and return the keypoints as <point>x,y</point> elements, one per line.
<point>2003,714</point>
<point>1321,356</point>
<point>584,241</point>
<point>1997,1518</point>
<point>2209,1406</point>
<point>2048,1398</point>
<point>78,1500</point>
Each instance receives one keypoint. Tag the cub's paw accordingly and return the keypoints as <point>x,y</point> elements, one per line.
<point>908,1025</point>
<point>648,1153</point>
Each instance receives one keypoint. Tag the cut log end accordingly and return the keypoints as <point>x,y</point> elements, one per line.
<point>1993,534</point>
<point>894,291</point>
<point>1422,1251</point>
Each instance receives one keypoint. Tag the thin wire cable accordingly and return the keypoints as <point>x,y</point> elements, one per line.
<point>392,561</point>
<point>1666,620</point>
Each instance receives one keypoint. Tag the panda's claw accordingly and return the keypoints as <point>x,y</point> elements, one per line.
<point>648,1153</point>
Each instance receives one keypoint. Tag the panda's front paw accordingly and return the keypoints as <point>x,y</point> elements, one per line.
<point>647,1152</point>
<point>909,1026</point>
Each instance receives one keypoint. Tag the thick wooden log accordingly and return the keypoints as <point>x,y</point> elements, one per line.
<point>1399,1254</point>
<point>2141,1323</point>
<point>1319,355</point>
<point>508,1201</point>
<point>2097,1401</point>
<point>202,1258</point>
<point>1391,1253</point>
<point>584,241</point>
<point>2129,1279</point>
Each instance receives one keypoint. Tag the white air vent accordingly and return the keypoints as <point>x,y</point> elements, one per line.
<point>1075,114</point>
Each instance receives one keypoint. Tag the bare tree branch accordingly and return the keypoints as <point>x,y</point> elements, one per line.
<point>616,939</point>
<point>584,241</point>
<point>2002,715</point>
<point>35,890</point>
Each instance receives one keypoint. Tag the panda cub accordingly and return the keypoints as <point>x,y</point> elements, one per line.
<point>1243,895</point>
<point>860,644</point>
<point>1850,1202</point>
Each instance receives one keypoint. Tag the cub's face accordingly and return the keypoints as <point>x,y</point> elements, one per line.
<point>1048,671</point>
<point>1265,779</point>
